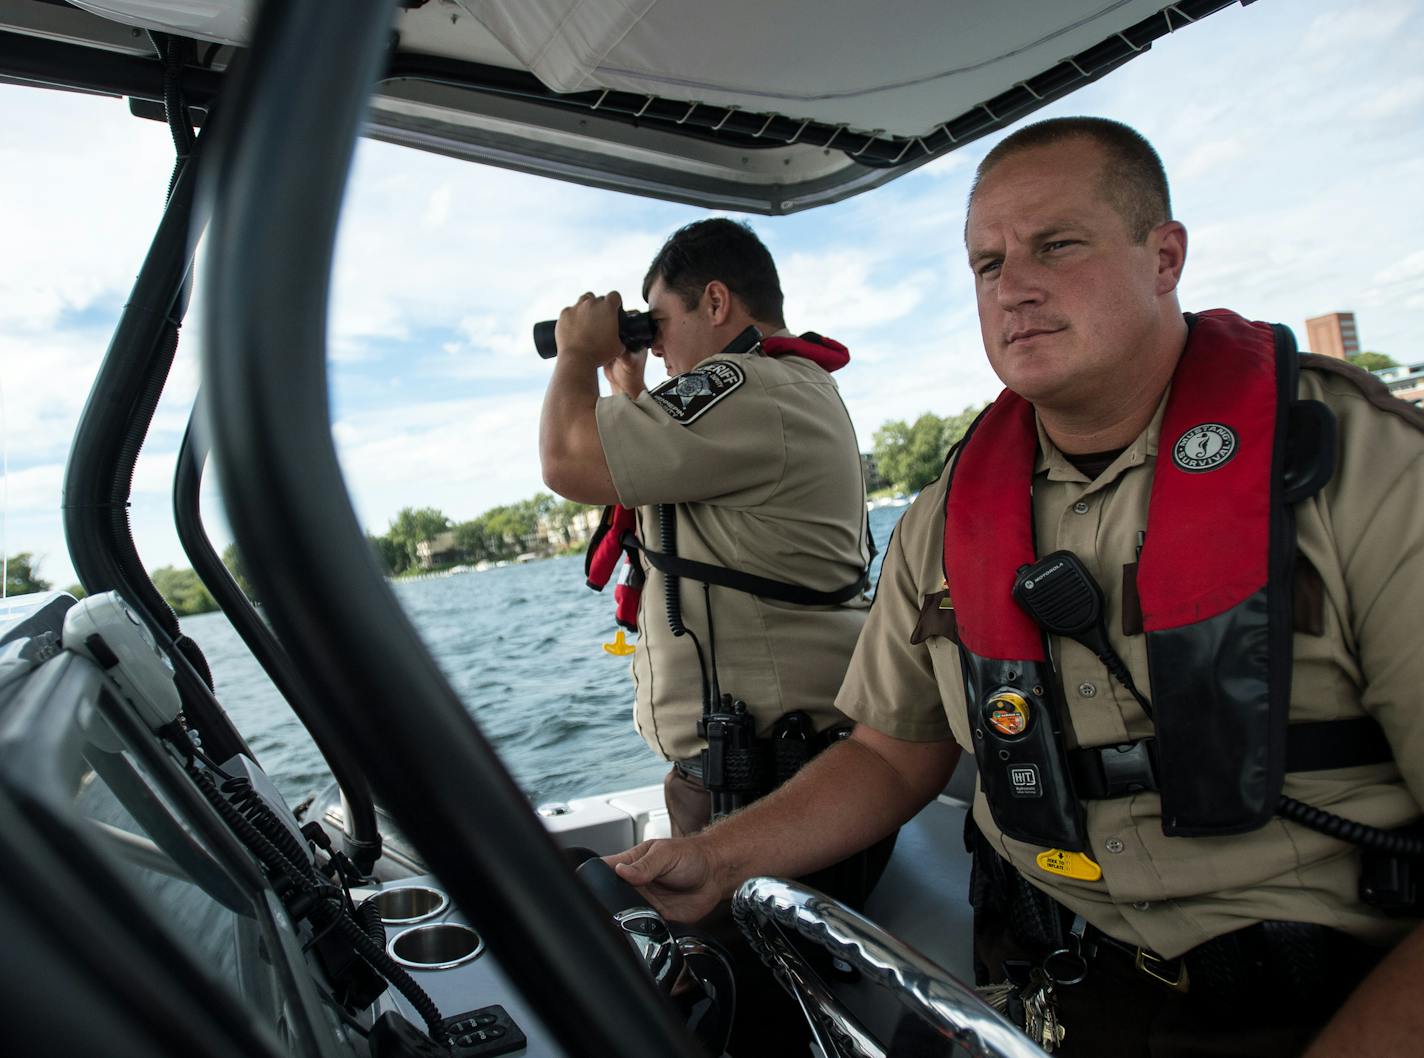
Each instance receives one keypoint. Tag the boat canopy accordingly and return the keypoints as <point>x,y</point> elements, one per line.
<point>678,99</point>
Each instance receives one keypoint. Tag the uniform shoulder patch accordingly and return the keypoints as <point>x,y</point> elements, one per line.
<point>691,395</point>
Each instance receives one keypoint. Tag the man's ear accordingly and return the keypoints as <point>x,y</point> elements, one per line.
<point>1170,242</point>
<point>717,301</point>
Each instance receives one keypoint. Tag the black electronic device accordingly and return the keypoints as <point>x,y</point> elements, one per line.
<point>636,330</point>
<point>1062,597</point>
<point>482,1033</point>
<point>735,763</point>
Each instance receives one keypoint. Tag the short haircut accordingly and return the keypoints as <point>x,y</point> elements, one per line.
<point>720,249</point>
<point>1133,181</point>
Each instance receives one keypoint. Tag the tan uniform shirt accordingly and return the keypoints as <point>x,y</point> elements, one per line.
<point>766,479</point>
<point>1364,533</point>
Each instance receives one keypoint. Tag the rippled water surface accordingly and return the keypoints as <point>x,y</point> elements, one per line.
<point>521,645</point>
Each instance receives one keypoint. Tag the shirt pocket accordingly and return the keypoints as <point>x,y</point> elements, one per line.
<point>949,677</point>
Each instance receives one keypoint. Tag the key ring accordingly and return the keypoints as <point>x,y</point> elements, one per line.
<point>1065,966</point>
<point>1069,966</point>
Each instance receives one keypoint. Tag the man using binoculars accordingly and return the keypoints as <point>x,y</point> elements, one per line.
<point>745,475</point>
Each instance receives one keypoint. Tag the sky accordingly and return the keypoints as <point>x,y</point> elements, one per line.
<point>1292,132</point>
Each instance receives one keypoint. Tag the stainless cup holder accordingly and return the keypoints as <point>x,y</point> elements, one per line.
<point>409,903</point>
<point>438,946</point>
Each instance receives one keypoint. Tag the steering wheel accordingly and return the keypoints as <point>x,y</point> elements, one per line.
<point>766,908</point>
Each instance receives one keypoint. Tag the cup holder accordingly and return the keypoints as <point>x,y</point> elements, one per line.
<point>438,946</point>
<point>409,903</point>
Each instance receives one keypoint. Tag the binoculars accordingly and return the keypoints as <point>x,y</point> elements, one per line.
<point>636,330</point>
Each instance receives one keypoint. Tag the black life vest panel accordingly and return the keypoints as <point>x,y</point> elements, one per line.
<point>1214,578</point>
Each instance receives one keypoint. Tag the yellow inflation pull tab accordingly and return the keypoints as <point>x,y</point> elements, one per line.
<point>620,647</point>
<point>1069,865</point>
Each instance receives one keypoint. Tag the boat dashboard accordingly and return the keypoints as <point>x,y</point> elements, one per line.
<point>122,864</point>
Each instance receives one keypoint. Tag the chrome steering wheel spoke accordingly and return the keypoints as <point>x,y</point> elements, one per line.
<point>770,910</point>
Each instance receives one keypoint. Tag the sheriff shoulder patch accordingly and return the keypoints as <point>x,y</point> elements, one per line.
<point>688,397</point>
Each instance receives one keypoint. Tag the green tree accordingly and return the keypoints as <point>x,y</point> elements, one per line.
<point>510,528</point>
<point>1372,361</point>
<point>561,515</point>
<point>77,590</point>
<point>911,455</point>
<point>389,554</point>
<point>22,575</point>
<point>182,590</point>
<point>233,561</point>
<point>474,540</point>
<point>409,527</point>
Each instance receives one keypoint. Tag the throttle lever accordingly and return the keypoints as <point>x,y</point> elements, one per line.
<point>635,919</point>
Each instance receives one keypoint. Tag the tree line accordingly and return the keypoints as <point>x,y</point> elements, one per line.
<point>500,534</point>
<point>180,588</point>
<point>910,455</point>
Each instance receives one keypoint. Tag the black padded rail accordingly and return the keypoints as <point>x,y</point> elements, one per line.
<point>292,122</point>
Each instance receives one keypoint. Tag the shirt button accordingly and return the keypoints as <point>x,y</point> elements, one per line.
<point>1141,905</point>
<point>1113,845</point>
<point>1086,689</point>
<point>1081,507</point>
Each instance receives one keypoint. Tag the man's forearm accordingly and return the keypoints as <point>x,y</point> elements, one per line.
<point>1384,1016</point>
<point>843,801</point>
<point>570,451</point>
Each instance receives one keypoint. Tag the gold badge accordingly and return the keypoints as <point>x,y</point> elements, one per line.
<point>1069,865</point>
<point>1008,713</point>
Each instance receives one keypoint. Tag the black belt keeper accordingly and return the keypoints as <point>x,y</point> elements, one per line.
<point>793,744</point>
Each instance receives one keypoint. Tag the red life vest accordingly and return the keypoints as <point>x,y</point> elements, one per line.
<point>1214,579</point>
<point>608,544</point>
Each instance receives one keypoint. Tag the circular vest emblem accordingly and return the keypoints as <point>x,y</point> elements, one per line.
<point>1007,712</point>
<point>1204,448</point>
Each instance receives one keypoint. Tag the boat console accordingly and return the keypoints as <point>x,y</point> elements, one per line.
<point>224,878</point>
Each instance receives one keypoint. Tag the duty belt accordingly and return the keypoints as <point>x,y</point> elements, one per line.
<point>1130,767</point>
<point>784,756</point>
<point>1265,962</point>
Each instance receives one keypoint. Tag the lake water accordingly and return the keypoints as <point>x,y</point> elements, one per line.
<point>523,647</point>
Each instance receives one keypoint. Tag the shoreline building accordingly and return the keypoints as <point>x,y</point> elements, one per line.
<point>1405,381</point>
<point>1333,334</point>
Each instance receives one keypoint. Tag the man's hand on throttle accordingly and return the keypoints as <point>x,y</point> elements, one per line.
<point>677,876</point>
<point>588,329</point>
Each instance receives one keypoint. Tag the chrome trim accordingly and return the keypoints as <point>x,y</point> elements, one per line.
<point>435,929</point>
<point>763,907</point>
<point>396,893</point>
<point>657,948</point>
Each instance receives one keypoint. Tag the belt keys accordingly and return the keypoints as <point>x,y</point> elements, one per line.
<point>1040,1011</point>
<point>1064,966</point>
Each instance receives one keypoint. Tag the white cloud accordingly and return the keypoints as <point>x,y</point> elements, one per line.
<point>1349,28</point>
<point>846,291</point>
<point>1297,177</point>
<point>463,456</point>
<point>35,488</point>
<point>78,234</point>
<point>1401,283</point>
<point>1212,158</point>
<point>1394,100</point>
